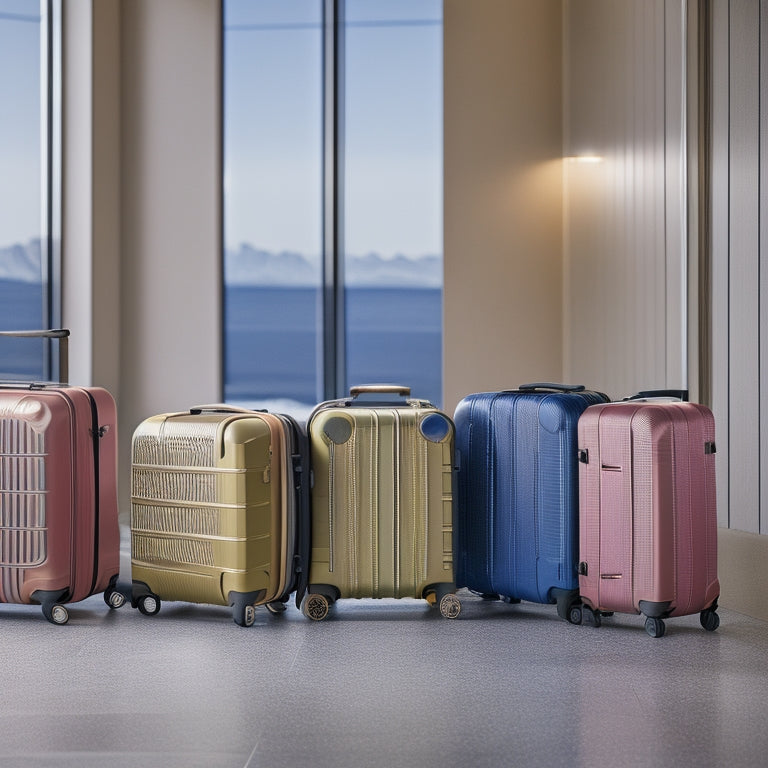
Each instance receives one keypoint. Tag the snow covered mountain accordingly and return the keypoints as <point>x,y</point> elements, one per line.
<point>250,266</point>
<point>21,262</point>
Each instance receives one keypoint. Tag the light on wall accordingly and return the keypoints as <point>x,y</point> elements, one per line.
<point>585,158</point>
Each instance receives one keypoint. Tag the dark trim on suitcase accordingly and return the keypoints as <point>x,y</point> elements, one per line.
<point>301,483</point>
<point>97,432</point>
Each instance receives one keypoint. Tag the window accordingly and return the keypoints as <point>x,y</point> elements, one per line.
<point>332,199</point>
<point>29,108</point>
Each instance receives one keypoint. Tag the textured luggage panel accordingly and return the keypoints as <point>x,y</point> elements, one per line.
<point>517,492</point>
<point>648,523</point>
<point>382,517</point>
<point>58,494</point>
<point>209,495</point>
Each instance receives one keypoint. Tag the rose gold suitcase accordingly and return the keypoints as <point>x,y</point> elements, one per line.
<point>648,522</point>
<point>59,535</point>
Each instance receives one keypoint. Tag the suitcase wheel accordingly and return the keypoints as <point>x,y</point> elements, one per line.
<point>277,607</point>
<point>709,620</point>
<point>574,614</point>
<point>316,606</point>
<point>450,606</point>
<point>113,598</point>
<point>590,617</point>
<point>55,613</point>
<point>149,605</point>
<point>655,627</point>
<point>245,616</point>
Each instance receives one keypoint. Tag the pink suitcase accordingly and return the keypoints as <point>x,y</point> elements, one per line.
<point>59,534</point>
<point>648,523</point>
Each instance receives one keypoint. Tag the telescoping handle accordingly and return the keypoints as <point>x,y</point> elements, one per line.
<point>548,385</point>
<point>62,334</point>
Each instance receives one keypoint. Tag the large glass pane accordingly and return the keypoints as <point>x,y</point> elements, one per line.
<point>23,292</point>
<point>272,202</point>
<point>393,193</point>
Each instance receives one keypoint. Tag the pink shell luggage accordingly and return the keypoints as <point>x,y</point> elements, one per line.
<point>59,534</point>
<point>648,521</point>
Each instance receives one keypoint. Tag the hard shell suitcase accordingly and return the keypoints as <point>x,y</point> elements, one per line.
<point>648,521</point>
<point>517,493</point>
<point>59,534</point>
<point>220,510</point>
<point>382,501</point>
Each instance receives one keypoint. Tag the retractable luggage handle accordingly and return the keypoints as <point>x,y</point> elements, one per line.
<point>62,334</point>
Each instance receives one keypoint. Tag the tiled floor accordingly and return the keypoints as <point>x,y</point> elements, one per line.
<point>379,683</point>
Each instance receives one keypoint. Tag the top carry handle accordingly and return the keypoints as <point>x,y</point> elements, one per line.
<point>373,395</point>
<point>196,410</point>
<point>547,385</point>
<point>380,389</point>
<point>677,394</point>
<point>382,395</point>
<point>62,334</point>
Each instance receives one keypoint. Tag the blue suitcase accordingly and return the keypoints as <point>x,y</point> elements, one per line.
<point>517,493</point>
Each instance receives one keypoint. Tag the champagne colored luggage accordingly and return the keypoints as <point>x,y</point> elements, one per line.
<point>382,501</point>
<point>220,510</point>
<point>648,521</point>
<point>59,534</point>
<point>517,535</point>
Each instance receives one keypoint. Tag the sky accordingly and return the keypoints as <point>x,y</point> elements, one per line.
<point>392,126</point>
<point>20,207</point>
<point>273,125</point>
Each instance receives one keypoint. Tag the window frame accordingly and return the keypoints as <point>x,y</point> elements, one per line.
<point>50,236</point>
<point>332,337</point>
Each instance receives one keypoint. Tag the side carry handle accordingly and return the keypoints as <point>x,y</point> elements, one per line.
<point>62,334</point>
<point>548,385</point>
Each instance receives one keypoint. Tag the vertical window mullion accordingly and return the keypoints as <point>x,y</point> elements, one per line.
<point>50,186</point>
<point>334,334</point>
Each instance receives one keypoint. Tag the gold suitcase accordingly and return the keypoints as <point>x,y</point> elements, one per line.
<point>382,501</point>
<point>219,510</point>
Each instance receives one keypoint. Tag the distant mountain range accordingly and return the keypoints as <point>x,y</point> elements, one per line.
<point>21,262</point>
<point>251,266</point>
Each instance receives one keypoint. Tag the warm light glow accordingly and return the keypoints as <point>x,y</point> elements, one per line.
<point>585,159</point>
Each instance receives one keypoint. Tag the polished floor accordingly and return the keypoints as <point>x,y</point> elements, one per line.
<point>379,683</point>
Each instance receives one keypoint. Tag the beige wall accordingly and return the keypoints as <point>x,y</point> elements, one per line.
<point>503,195</point>
<point>171,210</point>
<point>91,190</point>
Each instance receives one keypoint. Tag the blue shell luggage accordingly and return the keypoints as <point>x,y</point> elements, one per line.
<point>517,493</point>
